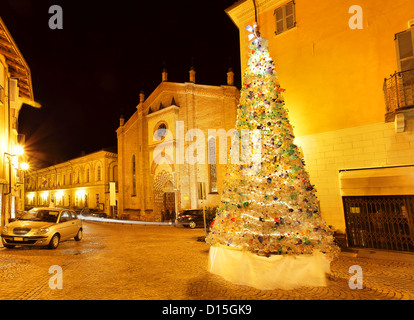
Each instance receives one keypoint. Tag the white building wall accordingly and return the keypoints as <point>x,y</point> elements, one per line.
<point>373,145</point>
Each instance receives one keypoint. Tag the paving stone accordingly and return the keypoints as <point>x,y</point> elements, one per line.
<point>168,263</point>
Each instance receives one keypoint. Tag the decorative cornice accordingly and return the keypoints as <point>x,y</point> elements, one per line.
<point>186,88</point>
<point>163,110</point>
<point>17,64</point>
<point>242,12</point>
<point>76,162</point>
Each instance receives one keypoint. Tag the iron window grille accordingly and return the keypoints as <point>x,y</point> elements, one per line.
<point>380,222</point>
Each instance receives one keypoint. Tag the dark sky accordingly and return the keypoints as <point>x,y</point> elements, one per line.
<point>90,72</point>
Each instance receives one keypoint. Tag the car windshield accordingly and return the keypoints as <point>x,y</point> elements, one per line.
<point>41,215</point>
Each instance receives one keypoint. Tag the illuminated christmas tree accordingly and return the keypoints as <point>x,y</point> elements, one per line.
<point>273,211</point>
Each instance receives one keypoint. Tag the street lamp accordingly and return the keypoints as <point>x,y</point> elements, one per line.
<point>24,166</point>
<point>18,150</point>
<point>13,160</point>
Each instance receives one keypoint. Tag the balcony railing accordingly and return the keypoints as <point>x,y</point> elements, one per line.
<point>399,91</point>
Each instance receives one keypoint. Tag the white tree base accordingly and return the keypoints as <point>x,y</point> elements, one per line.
<point>267,273</point>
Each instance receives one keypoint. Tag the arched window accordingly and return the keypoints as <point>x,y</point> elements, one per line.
<point>134,181</point>
<point>98,173</point>
<point>115,173</point>
<point>161,131</point>
<point>212,166</point>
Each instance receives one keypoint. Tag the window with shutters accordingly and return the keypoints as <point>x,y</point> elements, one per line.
<point>98,174</point>
<point>285,17</point>
<point>404,43</point>
<point>399,88</point>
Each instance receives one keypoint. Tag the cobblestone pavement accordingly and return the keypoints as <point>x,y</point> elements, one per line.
<point>167,263</point>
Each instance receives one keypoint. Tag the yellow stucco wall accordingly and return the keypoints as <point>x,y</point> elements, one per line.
<point>333,75</point>
<point>77,183</point>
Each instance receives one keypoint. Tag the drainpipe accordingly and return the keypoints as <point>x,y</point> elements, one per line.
<point>4,217</point>
<point>8,137</point>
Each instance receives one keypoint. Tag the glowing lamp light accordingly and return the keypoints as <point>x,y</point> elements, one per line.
<point>24,166</point>
<point>80,193</point>
<point>18,150</point>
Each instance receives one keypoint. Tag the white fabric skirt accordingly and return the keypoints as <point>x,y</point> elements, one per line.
<point>267,273</point>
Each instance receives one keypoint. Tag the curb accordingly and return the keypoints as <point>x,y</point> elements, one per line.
<point>385,255</point>
<point>128,222</point>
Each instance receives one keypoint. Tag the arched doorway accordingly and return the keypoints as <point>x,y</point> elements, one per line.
<point>164,197</point>
<point>169,201</point>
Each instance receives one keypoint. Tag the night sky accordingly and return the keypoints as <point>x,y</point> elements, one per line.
<point>90,72</point>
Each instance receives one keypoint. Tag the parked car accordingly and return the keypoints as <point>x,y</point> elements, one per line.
<point>91,212</point>
<point>99,214</point>
<point>191,218</point>
<point>85,211</point>
<point>42,227</point>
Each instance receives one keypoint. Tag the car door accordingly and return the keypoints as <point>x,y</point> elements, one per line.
<point>74,224</point>
<point>65,223</point>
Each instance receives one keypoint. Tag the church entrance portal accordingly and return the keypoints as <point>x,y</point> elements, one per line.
<point>164,198</point>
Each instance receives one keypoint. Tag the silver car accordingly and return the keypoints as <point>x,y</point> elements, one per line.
<point>42,227</point>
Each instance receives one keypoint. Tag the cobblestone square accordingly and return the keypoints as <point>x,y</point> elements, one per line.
<point>137,262</point>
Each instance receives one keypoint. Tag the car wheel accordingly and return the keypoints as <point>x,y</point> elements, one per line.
<point>54,242</point>
<point>192,224</point>
<point>78,237</point>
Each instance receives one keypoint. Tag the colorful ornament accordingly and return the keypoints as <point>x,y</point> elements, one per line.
<point>275,210</point>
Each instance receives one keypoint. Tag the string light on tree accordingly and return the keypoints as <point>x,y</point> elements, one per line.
<point>274,211</point>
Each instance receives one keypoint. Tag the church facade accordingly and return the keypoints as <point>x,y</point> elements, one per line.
<point>160,169</point>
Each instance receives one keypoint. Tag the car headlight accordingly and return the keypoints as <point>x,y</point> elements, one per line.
<point>5,230</point>
<point>42,231</point>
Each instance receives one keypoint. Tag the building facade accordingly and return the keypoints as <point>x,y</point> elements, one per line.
<point>352,119</point>
<point>158,174</point>
<point>82,182</point>
<point>15,89</point>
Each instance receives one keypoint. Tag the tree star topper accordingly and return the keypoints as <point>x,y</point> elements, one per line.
<point>254,31</point>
